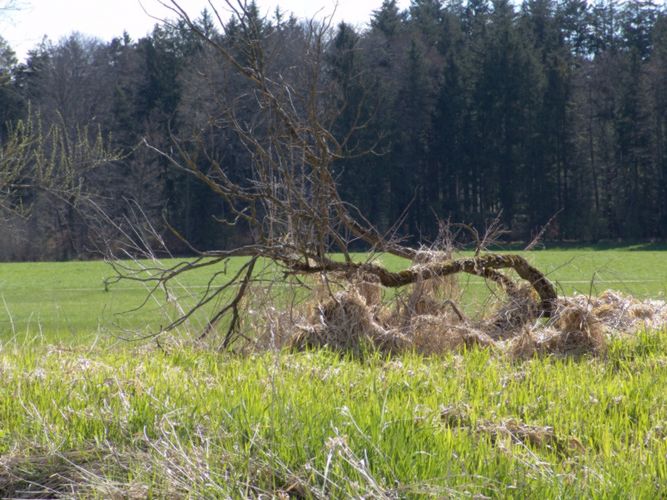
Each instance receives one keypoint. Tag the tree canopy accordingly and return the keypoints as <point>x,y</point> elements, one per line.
<point>467,110</point>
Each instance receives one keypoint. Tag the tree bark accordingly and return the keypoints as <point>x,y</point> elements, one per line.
<point>484,266</point>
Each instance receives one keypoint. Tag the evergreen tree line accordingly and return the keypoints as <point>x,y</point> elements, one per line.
<point>465,109</point>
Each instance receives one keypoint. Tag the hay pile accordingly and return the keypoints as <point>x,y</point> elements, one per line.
<point>423,320</point>
<point>573,330</point>
<point>621,313</point>
<point>346,323</point>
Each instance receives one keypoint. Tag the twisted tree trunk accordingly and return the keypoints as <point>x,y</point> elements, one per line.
<point>485,266</point>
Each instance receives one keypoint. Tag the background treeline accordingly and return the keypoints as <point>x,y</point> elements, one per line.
<point>471,109</point>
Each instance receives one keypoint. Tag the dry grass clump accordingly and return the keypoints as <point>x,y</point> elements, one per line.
<point>432,335</point>
<point>582,324</point>
<point>370,289</point>
<point>164,466</point>
<point>621,313</point>
<point>346,323</point>
<point>510,430</point>
<point>519,309</point>
<point>438,288</point>
<point>537,436</point>
<point>577,334</point>
<point>426,320</point>
<point>456,415</point>
<point>73,474</point>
<point>573,330</point>
<point>353,321</point>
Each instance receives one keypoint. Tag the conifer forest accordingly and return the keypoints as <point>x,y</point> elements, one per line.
<point>533,111</point>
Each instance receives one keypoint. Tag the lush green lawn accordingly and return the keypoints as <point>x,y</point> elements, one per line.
<point>132,420</point>
<point>67,300</point>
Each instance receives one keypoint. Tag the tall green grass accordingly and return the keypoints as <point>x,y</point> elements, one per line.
<point>321,425</point>
<point>82,417</point>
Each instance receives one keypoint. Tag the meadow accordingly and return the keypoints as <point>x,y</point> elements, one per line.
<point>69,300</point>
<point>84,417</point>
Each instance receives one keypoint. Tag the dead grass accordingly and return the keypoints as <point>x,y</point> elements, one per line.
<point>535,436</point>
<point>511,431</point>
<point>346,323</point>
<point>176,469</point>
<point>574,330</point>
<point>425,319</point>
<point>430,335</point>
<point>73,474</point>
<point>519,309</point>
<point>622,313</point>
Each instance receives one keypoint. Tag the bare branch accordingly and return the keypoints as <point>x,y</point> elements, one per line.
<point>287,198</point>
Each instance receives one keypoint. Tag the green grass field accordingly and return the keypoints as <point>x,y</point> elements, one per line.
<point>206,425</point>
<point>68,300</point>
<point>127,420</point>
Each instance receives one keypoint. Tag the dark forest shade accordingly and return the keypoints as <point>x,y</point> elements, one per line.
<point>473,109</point>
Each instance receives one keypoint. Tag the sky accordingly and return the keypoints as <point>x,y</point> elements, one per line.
<point>104,19</point>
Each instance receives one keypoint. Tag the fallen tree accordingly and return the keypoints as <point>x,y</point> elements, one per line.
<point>288,201</point>
<point>483,265</point>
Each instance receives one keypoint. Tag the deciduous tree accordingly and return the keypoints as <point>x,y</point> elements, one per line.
<point>289,200</point>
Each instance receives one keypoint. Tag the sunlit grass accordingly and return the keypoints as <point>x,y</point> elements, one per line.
<point>330,426</point>
<point>68,300</point>
<point>83,415</point>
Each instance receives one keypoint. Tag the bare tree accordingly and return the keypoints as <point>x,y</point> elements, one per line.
<point>289,201</point>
